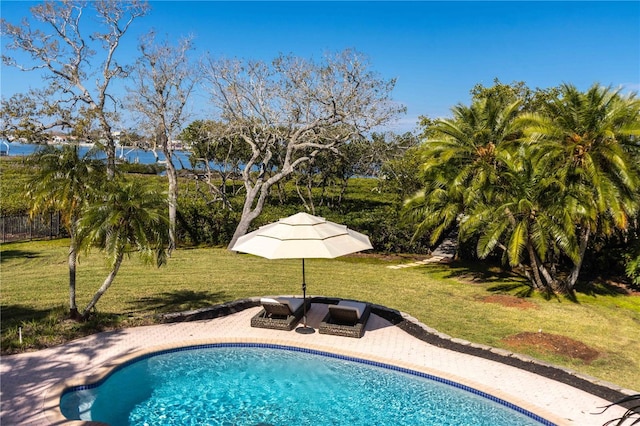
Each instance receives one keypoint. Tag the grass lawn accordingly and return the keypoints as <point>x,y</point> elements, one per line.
<point>450,298</point>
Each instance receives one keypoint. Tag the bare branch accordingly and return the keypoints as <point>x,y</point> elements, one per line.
<point>295,108</point>
<point>80,67</point>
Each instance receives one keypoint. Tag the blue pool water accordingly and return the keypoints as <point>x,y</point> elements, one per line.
<point>267,385</point>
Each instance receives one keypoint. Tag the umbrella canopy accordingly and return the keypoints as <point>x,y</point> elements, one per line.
<point>302,236</point>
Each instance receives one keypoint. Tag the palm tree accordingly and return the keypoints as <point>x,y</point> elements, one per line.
<point>460,163</point>
<point>130,217</point>
<point>528,217</point>
<point>590,141</point>
<point>61,183</point>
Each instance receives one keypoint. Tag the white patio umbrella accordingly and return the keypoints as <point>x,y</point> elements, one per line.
<point>302,236</point>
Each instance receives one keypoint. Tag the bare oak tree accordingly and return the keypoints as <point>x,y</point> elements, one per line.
<point>163,81</point>
<point>291,109</point>
<point>79,65</point>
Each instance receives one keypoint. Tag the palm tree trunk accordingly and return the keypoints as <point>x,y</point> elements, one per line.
<point>573,277</point>
<point>550,281</point>
<point>72,261</point>
<point>533,259</point>
<point>105,285</point>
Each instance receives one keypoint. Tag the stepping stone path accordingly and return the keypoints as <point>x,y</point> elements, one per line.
<point>443,253</point>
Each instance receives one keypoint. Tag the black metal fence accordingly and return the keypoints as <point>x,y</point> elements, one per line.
<point>23,228</point>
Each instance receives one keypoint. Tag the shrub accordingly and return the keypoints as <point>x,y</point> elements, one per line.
<point>143,169</point>
<point>200,222</point>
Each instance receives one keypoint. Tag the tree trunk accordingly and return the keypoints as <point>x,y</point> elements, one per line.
<point>310,195</point>
<point>304,200</point>
<point>573,277</point>
<point>105,285</point>
<point>172,176</point>
<point>110,145</point>
<point>533,258</point>
<point>110,151</point>
<point>248,213</point>
<point>549,279</point>
<point>258,192</point>
<point>72,261</point>
<point>343,190</point>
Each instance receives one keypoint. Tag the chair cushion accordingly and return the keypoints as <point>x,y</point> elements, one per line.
<point>358,307</point>
<point>294,303</point>
<point>281,305</point>
<point>346,312</point>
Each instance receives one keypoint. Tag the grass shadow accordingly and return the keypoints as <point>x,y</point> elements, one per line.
<point>15,254</point>
<point>17,313</point>
<point>31,329</point>
<point>601,288</point>
<point>483,273</point>
<point>518,289</point>
<point>179,300</point>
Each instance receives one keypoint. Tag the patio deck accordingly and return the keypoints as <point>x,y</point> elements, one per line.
<point>31,382</point>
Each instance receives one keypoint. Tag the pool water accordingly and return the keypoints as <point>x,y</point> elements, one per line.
<point>244,385</point>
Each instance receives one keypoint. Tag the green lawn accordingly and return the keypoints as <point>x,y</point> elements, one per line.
<point>34,286</point>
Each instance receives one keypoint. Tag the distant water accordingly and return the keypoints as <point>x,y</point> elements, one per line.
<point>181,158</point>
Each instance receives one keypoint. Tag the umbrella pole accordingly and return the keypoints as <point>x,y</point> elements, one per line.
<point>304,296</point>
<point>304,329</point>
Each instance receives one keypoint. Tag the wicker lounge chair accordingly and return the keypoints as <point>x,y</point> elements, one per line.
<point>280,313</point>
<point>347,318</point>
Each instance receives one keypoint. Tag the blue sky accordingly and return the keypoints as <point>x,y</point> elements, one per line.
<point>437,50</point>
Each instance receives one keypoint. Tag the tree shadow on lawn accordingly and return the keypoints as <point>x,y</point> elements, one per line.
<point>503,281</point>
<point>179,300</point>
<point>497,279</point>
<point>43,328</point>
<point>16,313</point>
<point>600,287</point>
<point>17,254</point>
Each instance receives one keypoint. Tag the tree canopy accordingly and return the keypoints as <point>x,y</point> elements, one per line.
<point>533,183</point>
<point>291,109</point>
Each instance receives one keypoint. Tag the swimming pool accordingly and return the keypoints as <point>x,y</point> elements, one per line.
<point>258,384</point>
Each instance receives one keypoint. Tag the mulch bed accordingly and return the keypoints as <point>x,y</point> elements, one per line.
<point>510,301</point>
<point>552,343</point>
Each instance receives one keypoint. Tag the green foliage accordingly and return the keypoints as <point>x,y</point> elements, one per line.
<point>633,270</point>
<point>536,186</point>
<point>128,216</point>
<point>48,328</point>
<point>63,181</point>
<point>139,168</point>
<point>208,141</point>
<point>631,255</point>
<point>203,222</point>
<point>531,100</point>
<point>15,174</point>
<point>401,176</point>
<point>385,230</point>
